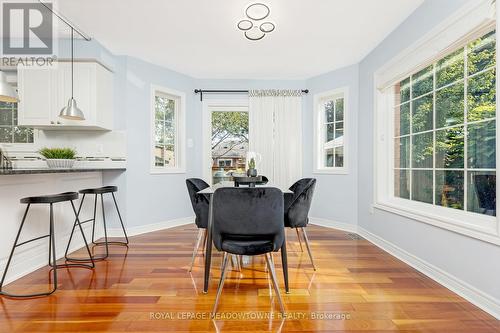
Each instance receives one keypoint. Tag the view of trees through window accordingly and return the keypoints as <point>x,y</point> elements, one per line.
<point>164,131</point>
<point>334,132</point>
<point>9,131</point>
<point>229,144</point>
<point>445,130</point>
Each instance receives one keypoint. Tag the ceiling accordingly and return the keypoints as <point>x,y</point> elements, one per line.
<point>200,37</point>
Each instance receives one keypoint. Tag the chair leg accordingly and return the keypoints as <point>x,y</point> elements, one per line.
<point>73,230</point>
<point>270,264</point>
<point>105,227</point>
<point>93,219</point>
<point>205,234</point>
<point>195,250</point>
<point>221,283</point>
<point>14,248</point>
<point>308,248</point>
<point>284,264</point>
<point>83,234</point>
<point>121,220</point>
<point>300,241</point>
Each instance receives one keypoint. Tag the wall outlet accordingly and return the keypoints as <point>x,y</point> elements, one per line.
<point>190,143</point>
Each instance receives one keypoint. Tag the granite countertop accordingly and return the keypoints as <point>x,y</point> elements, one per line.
<point>25,171</point>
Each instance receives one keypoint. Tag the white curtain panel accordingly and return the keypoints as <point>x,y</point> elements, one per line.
<point>275,121</point>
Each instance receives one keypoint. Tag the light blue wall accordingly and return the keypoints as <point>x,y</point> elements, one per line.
<point>335,198</point>
<point>159,197</point>
<point>473,261</point>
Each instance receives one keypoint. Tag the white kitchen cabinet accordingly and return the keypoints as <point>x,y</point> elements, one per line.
<point>43,92</point>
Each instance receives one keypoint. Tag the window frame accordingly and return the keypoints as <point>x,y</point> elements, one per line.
<point>20,146</point>
<point>319,131</point>
<point>180,131</point>
<point>471,22</point>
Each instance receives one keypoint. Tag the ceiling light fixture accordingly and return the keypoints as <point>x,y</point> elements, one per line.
<point>72,111</point>
<point>257,11</point>
<point>252,28</point>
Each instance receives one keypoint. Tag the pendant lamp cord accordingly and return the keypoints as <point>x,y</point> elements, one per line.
<point>72,61</point>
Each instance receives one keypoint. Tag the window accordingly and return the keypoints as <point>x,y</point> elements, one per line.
<point>167,130</point>
<point>225,163</point>
<point>435,128</point>
<point>445,132</point>
<point>9,131</point>
<point>330,136</point>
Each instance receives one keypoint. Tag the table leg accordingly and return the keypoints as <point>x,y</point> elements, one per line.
<point>284,263</point>
<point>208,250</point>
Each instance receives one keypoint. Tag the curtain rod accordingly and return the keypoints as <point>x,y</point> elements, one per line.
<point>201,92</point>
<point>66,21</point>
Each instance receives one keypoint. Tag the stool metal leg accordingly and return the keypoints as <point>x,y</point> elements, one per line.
<point>73,230</point>
<point>105,227</point>
<point>53,242</point>
<point>107,242</point>
<point>93,220</point>
<point>51,251</point>
<point>78,260</point>
<point>13,248</point>
<point>120,216</point>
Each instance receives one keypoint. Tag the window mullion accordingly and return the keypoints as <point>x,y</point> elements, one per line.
<point>434,134</point>
<point>410,172</point>
<point>466,129</point>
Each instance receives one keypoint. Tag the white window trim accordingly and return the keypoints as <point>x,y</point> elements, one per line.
<point>317,132</point>
<point>209,105</point>
<point>474,16</point>
<point>180,133</point>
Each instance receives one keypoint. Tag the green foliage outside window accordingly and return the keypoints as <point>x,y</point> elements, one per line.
<point>445,130</point>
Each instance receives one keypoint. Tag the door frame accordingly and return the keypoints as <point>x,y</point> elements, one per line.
<point>230,104</point>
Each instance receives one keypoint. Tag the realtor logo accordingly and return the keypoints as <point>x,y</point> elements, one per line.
<point>27,28</point>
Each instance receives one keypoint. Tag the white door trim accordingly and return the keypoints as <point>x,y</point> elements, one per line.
<point>208,106</point>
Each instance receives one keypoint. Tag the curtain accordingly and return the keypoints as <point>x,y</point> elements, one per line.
<point>275,132</point>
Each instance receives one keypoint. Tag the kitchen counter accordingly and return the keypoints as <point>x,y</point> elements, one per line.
<point>31,171</point>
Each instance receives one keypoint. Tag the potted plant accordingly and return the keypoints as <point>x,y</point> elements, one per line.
<point>251,172</point>
<point>59,158</point>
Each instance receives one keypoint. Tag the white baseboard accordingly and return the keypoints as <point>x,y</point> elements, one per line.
<point>334,224</point>
<point>142,229</point>
<point>465,290</point>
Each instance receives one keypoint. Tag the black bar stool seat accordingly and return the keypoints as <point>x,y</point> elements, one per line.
<point>50,200</point>
<point>99,191</point>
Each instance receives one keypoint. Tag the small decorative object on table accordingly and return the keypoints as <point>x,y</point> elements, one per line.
<point>251,172</point>
<point>59,158</point>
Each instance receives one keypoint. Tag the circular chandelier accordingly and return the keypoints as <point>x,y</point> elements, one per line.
<point>253,26</point>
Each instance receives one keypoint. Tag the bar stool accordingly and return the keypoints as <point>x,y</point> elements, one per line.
<point>51,200</point>
<point>98,191</point>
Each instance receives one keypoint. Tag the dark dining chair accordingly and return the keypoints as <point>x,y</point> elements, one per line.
<point>297,207</point>
<point>248,221</point>
<point>200,205</point>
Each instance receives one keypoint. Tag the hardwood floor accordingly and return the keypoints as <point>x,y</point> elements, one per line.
<point>147,288</point>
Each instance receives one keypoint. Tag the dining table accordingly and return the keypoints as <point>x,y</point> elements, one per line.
<point>208,250</point>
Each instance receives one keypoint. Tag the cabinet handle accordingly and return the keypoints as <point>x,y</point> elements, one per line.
<point>59,123</point>
<point>52,122</point>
